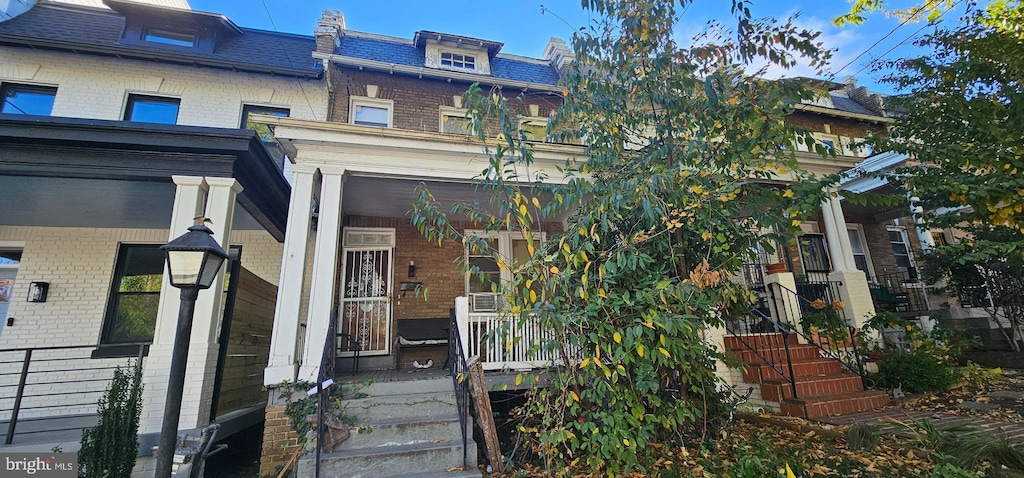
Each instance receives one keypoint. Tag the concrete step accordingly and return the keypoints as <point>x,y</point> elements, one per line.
<point>403,432</point>
<point>418,459</point>
<point>391,407</point>
<point>380,389</point>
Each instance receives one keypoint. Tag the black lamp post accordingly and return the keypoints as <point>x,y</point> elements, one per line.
<point>193,261</point>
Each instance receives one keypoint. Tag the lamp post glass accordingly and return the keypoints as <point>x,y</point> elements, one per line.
<point>194,259</point>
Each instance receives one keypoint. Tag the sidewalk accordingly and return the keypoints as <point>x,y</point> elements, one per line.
<point>1013,430</point>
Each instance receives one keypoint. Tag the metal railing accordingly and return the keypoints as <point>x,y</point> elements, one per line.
<point>771,344</point>
<point>894,293</point>
<point>837,339</point>
<point>459,370</point>
<point>323,393</point>
<point>57,381</point>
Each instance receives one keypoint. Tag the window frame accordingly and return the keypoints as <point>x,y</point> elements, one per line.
<point>133,99</point>
<point>354,101</point>
<point>448,111</point>
<point>5,87</point>
<point>867,251</point>
<point>273,147</point>
<point>151,30</point>
<point>911,274</point>
<point>535,121</point>
<point>452,54</point>
<point>505,249</point>
<point>113,299</point>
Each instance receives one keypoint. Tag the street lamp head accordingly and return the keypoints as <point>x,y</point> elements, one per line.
<point>194,258</point>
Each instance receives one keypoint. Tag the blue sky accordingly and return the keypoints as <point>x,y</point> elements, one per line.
<point>525,29</point>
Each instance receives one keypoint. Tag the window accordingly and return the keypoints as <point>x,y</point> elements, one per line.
<point>275,149</point>
<point>27,99</point>
<point>901,249</point>
<point>830,146</point>
<point>454,121</point>
<point>860,253</point>
<point>168,37</point>
<point>813,253</point>
<point>152,109</point>
<point>939,238</point>
<point>10,257</point>
<point>534,129</point>
<point>134,294</point>
<point>371,112</point>
<point>456,60</point>
<point>483,281</point>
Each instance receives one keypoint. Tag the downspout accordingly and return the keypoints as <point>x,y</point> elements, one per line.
<point>330,89</point>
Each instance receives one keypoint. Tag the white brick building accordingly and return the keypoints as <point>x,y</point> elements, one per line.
<point>93,187</point>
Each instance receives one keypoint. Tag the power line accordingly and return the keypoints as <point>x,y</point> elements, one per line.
<point>880,40</point>
<point>284,52</point>
<point>912,35</point>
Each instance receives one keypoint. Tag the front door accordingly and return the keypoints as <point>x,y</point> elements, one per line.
<point>366,290</point>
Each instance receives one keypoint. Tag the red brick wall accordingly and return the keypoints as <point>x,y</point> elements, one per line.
<point>416,100</point>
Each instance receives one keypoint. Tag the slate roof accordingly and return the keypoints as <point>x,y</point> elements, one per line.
<point>848,105</point>
<point>94,30</point>
<point>403,52</point>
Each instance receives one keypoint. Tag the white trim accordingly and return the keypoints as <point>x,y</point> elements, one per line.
<point>505,239</point>
<point>389,105</point>
<point>362,230</point>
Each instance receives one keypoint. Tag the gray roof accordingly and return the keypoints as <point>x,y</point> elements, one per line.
<point>86,29</point>
<point>848,105</point>
<point>403,52</point>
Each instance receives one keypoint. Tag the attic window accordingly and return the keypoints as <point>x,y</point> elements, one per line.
<point>456,60</point>
<point>168,37</point>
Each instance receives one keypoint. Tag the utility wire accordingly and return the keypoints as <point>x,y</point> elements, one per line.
<point>880,40</point>
<point>284,52</point>
<point>919,30</point>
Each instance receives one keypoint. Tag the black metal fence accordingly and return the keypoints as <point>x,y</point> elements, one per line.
<point>323,393</point>
<point>894,293</point>
<point>62,381</point>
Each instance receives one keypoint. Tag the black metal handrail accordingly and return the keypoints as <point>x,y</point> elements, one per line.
<point>56,368</point>
<point>326,373</point>
<point>783,297</point>
<point>459,370</point>
<point>767,343</point>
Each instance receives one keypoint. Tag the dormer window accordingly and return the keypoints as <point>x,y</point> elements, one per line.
<point>168,37</point>
<point>456,60</point>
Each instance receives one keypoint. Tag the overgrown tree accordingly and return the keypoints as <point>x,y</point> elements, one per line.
<point>960,118</point>
<point>679,186</point>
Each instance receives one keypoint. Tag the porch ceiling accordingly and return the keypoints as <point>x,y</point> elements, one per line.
<point>393,197</point>
<point>78,202</point>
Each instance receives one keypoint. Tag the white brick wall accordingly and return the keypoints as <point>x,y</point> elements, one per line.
<point>97,87</point>
<point>79,264</point>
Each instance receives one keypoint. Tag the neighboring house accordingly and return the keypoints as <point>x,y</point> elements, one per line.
<point>118,127</point>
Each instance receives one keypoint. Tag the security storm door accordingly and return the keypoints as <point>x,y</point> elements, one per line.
<point>366,291</point>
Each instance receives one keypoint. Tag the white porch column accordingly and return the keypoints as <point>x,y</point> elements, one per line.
<point>284,340</point>
<point>325,268</point>
<point>189,202</point>
<point>834,236</point>
<point>201,372</point>
<point>844,235</point>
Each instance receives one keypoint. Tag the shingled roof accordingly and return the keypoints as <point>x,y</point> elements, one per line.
<point>403,52</point>
<point>93,30</point>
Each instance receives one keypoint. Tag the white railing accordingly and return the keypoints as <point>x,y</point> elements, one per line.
<point>516,349</point>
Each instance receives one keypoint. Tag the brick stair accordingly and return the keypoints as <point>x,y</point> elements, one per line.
<point>823,387</point>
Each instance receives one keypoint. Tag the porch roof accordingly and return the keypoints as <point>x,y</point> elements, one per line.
<point>136,160</point>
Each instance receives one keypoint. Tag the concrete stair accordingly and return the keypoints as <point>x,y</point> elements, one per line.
<point>405,429</point>
<point>823,386</point>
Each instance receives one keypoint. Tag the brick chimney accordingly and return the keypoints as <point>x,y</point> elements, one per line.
<point>860,94</point>
<point>559,55</point>
<point>328,30</point>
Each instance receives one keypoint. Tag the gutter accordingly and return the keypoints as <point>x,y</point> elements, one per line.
<point>841,113</point>
<point>430,72</point>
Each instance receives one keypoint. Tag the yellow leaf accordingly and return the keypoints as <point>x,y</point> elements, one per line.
<point>536,203</point>
<point>574,396</point>
<point>617,337</point>
<point>788,193</point>
<point>522,209</point>
<point>707,236</point>
<point>664,352</point>
<point>789,472</point>
<point>796,223</point>
<point>533,296</point>
<point>519,379</point>
<point>583,232</point>
<point>640,350</point>
<point>585,362</point>
<point>625,442</point>
<point>554,270</point>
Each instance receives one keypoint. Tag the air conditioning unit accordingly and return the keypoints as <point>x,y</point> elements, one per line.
<point>483,302</point>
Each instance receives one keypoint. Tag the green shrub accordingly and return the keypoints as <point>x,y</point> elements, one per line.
<point>109,448</point>
<point>918,371</point>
